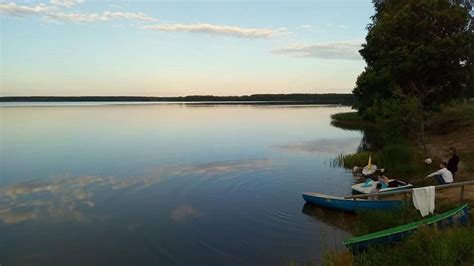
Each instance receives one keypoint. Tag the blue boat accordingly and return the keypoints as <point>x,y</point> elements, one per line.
<point>457,216</point>
<point>349,205</point>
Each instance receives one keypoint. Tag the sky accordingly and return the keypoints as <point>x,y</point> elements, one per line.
<point>177,48</point>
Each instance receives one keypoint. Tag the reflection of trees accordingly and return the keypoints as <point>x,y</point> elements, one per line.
<point>371,138</point>
<point>338,219</point>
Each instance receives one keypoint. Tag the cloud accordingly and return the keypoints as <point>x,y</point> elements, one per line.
<point>72,17</point>
<point>218,30</point>
<point>345,50</point>
<point>66,3</point>
<point>92,17</point>
<point>53,13</point>
<point>183,212</point>
<point>124,15</point>
<point>121,6</point>
<point>306,26</point>
<point>344,145</point>
<point>16,10</point>
<point>224,167</point>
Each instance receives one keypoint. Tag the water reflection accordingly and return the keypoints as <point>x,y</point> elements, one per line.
<point>341,145</point>
<point>67,198</point>
<point>337,219</point>
<point>183,212</point>
<point>166,184</point>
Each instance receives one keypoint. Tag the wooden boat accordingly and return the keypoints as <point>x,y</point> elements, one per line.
<point>457,216</point>
<point>349,205</point>
<point>393,184</point>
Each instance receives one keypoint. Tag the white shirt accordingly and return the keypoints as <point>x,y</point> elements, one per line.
<point>445,174</point>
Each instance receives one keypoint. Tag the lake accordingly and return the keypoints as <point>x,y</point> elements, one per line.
<point>168,183</point>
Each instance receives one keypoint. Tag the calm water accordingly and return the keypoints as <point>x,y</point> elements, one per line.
<point>167,184</point>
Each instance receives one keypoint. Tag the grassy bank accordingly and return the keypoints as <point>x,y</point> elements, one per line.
<point>454,126</point>
<point>426,247</point>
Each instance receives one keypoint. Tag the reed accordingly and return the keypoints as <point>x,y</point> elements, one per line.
<point>400,160</point>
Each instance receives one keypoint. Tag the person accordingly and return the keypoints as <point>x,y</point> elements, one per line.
<point>383,180</point>
<point>368,182</point>
<point>443,175</point>
<point>375,189</point>
<point>453,161</point>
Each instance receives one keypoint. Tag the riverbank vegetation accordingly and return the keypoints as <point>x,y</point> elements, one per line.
<point>419,57</point>
<point>412,103</point>
<point>432,247</point>
<point>426,247</point>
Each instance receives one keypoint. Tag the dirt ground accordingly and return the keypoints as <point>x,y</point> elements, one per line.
<point>454,127</point>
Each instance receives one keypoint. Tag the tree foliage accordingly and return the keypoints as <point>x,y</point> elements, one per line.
<point>419,55</point>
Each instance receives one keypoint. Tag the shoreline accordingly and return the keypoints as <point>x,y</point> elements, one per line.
<point>328,98</point>
<point>156,103</point>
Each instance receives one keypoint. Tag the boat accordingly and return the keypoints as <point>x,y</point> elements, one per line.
<point>457,216</point>
<point>349,205</point>
<point>366,187</point>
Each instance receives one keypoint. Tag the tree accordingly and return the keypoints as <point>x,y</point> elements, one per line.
<point>419,54</point>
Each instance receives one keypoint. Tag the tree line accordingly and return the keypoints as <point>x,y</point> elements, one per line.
<point>327,98</point>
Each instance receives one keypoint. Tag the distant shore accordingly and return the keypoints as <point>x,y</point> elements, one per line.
<point>329,98</point>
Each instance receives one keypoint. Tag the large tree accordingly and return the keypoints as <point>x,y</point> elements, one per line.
<point>419,55</point>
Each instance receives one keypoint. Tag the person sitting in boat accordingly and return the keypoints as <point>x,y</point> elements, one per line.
<point>368,182</point>
<point>383,180</point>
<point>443,175</point>
<point>375,189</point>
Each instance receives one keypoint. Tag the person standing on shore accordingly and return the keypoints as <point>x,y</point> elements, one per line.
<point>443,175</point>
<point>453,161</point>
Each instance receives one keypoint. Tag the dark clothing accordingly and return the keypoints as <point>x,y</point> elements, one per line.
<point>440,179</point>
<point>453,164</point>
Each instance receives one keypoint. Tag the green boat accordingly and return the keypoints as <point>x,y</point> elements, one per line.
<point>457,216</point>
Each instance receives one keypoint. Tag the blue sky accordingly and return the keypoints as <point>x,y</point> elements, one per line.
<point>70,47</point>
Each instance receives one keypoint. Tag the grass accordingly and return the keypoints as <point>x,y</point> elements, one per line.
<point>453,126</point>
<point>428,246</point>
<point>373,221</point>
<point>399,160</point>
<point>349,121</point>
<point>348,116</point>
<point>469,166</point>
